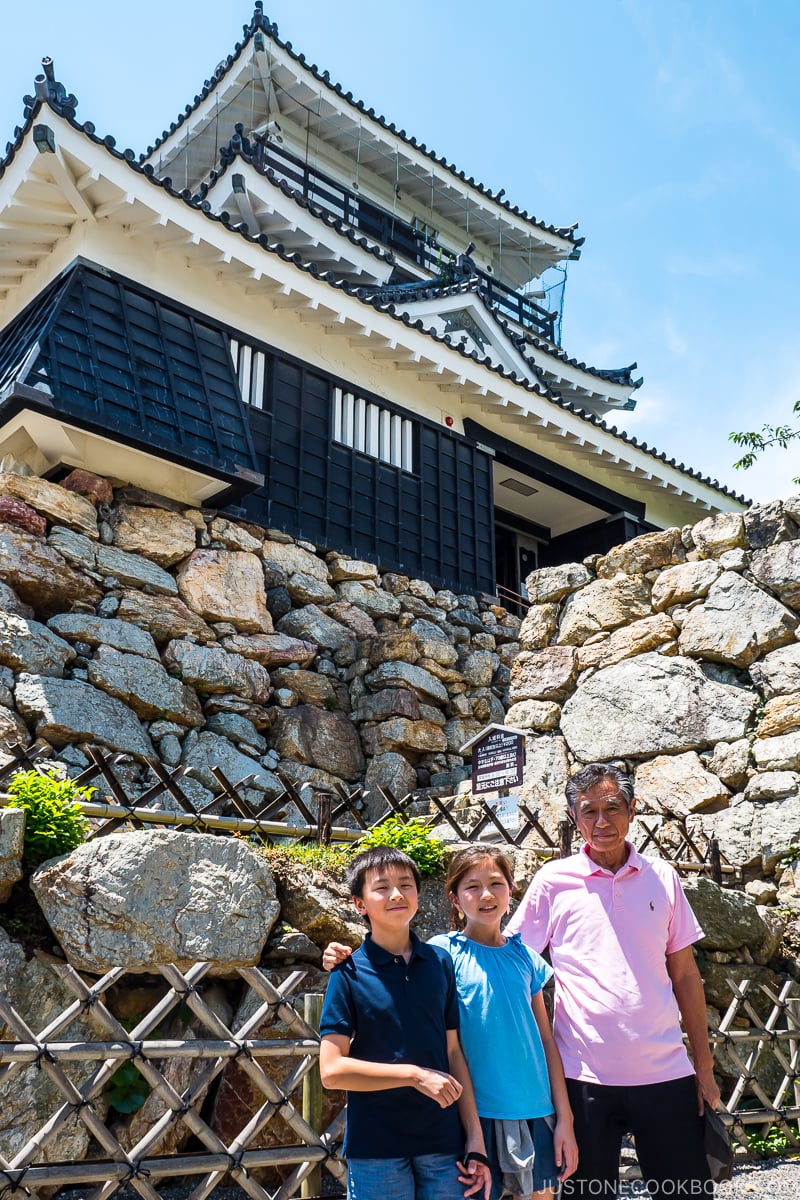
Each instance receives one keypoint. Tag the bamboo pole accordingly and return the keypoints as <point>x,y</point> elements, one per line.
<point>160,816</point>
<point>312,1093</point>
<point>25,1052</point>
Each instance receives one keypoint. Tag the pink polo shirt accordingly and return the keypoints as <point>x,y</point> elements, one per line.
<point>616,1019</point>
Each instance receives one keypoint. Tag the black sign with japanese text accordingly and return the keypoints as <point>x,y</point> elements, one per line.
<point>497,761</point>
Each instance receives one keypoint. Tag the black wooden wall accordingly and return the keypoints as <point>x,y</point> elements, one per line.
<point>435,523</point>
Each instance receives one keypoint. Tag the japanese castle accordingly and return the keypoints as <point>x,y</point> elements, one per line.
<point>290,309</point>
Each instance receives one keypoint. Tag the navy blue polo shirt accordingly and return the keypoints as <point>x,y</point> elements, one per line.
<point>396,1012</point>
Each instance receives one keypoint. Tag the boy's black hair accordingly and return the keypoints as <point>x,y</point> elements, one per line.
<point>374,859</point>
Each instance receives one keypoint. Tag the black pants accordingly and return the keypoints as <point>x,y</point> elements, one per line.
<point>668,1131</point>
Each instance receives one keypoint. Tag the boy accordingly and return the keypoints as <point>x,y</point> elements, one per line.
<point>390,1038</point>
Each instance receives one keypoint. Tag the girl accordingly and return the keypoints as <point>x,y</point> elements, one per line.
<point>505,1032</point>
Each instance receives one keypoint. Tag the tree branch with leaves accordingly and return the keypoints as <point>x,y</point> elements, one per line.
<point>755,443</point>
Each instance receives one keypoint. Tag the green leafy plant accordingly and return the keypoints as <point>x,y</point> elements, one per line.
<point>128,1089</point>
<point>412,838</point>
<point>54,824</point>
<point>773,1143</point>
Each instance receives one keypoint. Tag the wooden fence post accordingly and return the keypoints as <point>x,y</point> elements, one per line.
<point>312,1093</point>
<point>565,838</point>
<point>714,861</point>
<point>324,818</point>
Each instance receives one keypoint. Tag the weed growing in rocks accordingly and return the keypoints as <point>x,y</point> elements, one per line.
<point>54,824</point>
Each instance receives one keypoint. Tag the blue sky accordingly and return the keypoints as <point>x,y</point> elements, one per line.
<point>667,130</point>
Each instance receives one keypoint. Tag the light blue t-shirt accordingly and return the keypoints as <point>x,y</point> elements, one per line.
<point>499,1034</point>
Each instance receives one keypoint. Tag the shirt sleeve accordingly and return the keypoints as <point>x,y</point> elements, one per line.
<point>540,970</point>
<point>684,929</point>
<point>532,918</point>
<point>338,1010</point>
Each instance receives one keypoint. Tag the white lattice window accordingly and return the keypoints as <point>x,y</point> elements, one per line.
<point>363,425</point>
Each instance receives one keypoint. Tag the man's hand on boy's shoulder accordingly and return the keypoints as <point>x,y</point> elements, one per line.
<point>437,1085</point>
<point>335,953</point>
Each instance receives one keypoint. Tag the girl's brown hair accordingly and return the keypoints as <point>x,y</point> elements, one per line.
<point>463,862</point>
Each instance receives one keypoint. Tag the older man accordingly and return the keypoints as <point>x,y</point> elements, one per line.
<point>620,934</point>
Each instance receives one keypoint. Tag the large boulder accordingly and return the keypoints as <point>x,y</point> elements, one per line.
<point>144,686</point>
<point>28,646</point>
<point>226,585</point>
<point>164,536</point>
<point>207,749</point>
<point>390,771</point>
<point>648,552</point>
<point>134,899</point>
<point>604,604</point>
<point>133,570</point>
<point>651,633</point>
<point>778,673</point>
<point>730,919</point>
<point>212,669</point>
<point>683,583</point>
<point>546,674</point>
<point>757,835</point>
<point>737,623</point>
<point>679,783</point>
<point>553,583</point>
<point>327,740</point>
<point>272,649</point>
<point>715,535</point>
<point>100,631</point>
<point>310,624</point>
<point>434,642</point>
<point>402,674</point>
<point>41,576</point>
<point>373,600</point>
<point>164,617</point>
<point>65,711</point>
<point>293,559</point>
<point>778,568</point>
<point>55,502</point>
<point>539,627</point>
<point>652,705</point>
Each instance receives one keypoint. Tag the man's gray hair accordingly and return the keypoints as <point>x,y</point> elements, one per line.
<point>594,773</point>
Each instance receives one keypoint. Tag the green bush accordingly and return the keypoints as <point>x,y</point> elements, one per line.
<point>412,838</point>
<point>54,824</point>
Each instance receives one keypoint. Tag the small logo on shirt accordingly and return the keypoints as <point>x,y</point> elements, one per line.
<point>652,907</point>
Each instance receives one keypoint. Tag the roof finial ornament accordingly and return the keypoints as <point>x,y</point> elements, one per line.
<point>54,93</point>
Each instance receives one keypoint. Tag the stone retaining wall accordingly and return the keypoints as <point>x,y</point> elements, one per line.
<point>130,622</point>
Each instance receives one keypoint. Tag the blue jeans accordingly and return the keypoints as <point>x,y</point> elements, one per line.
<point>424,1177</point>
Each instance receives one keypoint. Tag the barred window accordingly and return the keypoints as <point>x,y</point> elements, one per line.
<point>365,426</point>
<point>250,367</point>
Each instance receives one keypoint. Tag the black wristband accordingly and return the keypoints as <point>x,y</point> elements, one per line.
<point>476,1156</point>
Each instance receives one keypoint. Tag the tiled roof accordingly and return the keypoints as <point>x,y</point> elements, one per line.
<point>65,108</point>
<point>434,289</point>
<point>262,24</point>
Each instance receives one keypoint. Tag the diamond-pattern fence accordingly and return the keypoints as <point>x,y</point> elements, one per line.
<point>756,1044</point>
